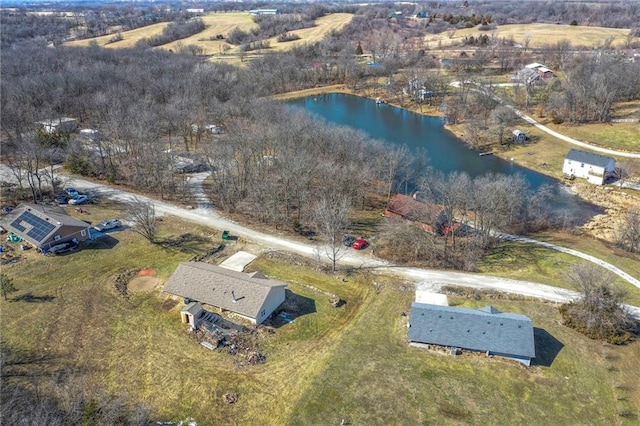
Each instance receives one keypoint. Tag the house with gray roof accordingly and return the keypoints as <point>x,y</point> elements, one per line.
<point>484,330</point>
<point>252,296</point>
<point>595,168</point>
<point>45,226</point>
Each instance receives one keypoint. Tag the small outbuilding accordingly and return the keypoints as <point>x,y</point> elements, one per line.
<point>252,296</point>
<point>480,330</point>
<point>595,168</point>
<point>45,226</point>
<point>59,125</point>
<point>519,136</point>
<point>190,313</point>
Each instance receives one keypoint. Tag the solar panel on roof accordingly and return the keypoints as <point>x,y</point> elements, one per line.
<point>16,224</point>
<point>40,227</point>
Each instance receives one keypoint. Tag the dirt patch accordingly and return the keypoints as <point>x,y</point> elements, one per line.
<point>142,283</point>
<point>168,304</point>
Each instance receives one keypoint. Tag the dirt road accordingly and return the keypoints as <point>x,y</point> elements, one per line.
<point>364,260</point>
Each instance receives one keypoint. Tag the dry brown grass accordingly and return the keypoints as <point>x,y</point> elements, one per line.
<point>539,34</point>
<point>218,23</point>
<point>223,23</point>
<point>129,40</point>
<point>324,25</point>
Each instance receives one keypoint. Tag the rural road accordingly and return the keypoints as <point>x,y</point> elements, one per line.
<point>434,279</point>
<point>553,133</point>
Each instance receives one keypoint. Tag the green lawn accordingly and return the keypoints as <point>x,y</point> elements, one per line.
<point>619,136</point>
<point>350,362</point>
<point>538,264</point>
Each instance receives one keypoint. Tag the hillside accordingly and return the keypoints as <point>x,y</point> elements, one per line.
<point>538,35</point>
<point>222,23</point>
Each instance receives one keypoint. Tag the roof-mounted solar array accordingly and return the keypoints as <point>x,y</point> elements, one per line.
<point>41,227</point>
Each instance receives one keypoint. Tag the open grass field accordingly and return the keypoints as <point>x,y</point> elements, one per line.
<point>217,23</point>
<point>324,26</point>
<point>618,136</point>
<point>330,364</point>
<point>538,34</point>
<point>223,23</point>
<point>538,264</point>
<point>130,38</point>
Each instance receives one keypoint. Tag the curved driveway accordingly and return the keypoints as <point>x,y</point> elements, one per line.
<point>432,278</point>
<point>545,129</point>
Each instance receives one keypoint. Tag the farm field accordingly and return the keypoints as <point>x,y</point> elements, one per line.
<point>217,23</point>
<point>330,364</point>
<point>130,38</point>
<point>324,26</point>
<point>223,23</point>
<point>538,34</point>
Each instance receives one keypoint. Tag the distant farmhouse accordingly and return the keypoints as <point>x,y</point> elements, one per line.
<point>251,296</point>
<point>534,73</point>
<point>59,125</point>
<point>417,90</point>
<point>45,226</point>
<point>480,330</point>
<point>595,168</point>
<point>430,217</point>
<point>256,12</point>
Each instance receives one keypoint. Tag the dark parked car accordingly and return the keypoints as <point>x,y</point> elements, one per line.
<point>63,248</point>
<point>71,192</point>
<point>6,209</point>
<point>348,240</point>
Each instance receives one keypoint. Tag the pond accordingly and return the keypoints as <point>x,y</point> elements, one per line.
<point>446,153</point>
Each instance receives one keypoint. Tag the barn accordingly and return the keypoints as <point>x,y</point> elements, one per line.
<point>480,330</point>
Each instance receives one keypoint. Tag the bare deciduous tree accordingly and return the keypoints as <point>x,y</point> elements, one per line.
<point>598,313</point>
<point>143,215</point>
<point>332,220</point>
<point>628,234</point>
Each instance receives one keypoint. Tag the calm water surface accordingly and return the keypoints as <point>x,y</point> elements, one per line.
<point>446,152</point>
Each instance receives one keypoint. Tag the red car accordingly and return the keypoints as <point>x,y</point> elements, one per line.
<point>359,244</point>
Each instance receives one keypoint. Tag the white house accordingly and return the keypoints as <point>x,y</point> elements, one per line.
<point>595,168</point>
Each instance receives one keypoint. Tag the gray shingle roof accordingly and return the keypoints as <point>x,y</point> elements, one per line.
<point>479,330</point>
<point>588,158</point>
<point>230,290</point>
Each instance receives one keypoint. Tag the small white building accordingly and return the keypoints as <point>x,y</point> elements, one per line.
<point>59,125</point>
<point>256,12</point>
<point>595,168</point>
<point>519,136</point>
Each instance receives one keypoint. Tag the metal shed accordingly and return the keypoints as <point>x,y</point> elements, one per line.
<point>519,136</point>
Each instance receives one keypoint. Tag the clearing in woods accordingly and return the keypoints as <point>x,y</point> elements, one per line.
<point>223,24</point>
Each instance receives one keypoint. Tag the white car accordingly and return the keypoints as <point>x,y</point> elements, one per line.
<point>80,199</point>
<point>105,225</point>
